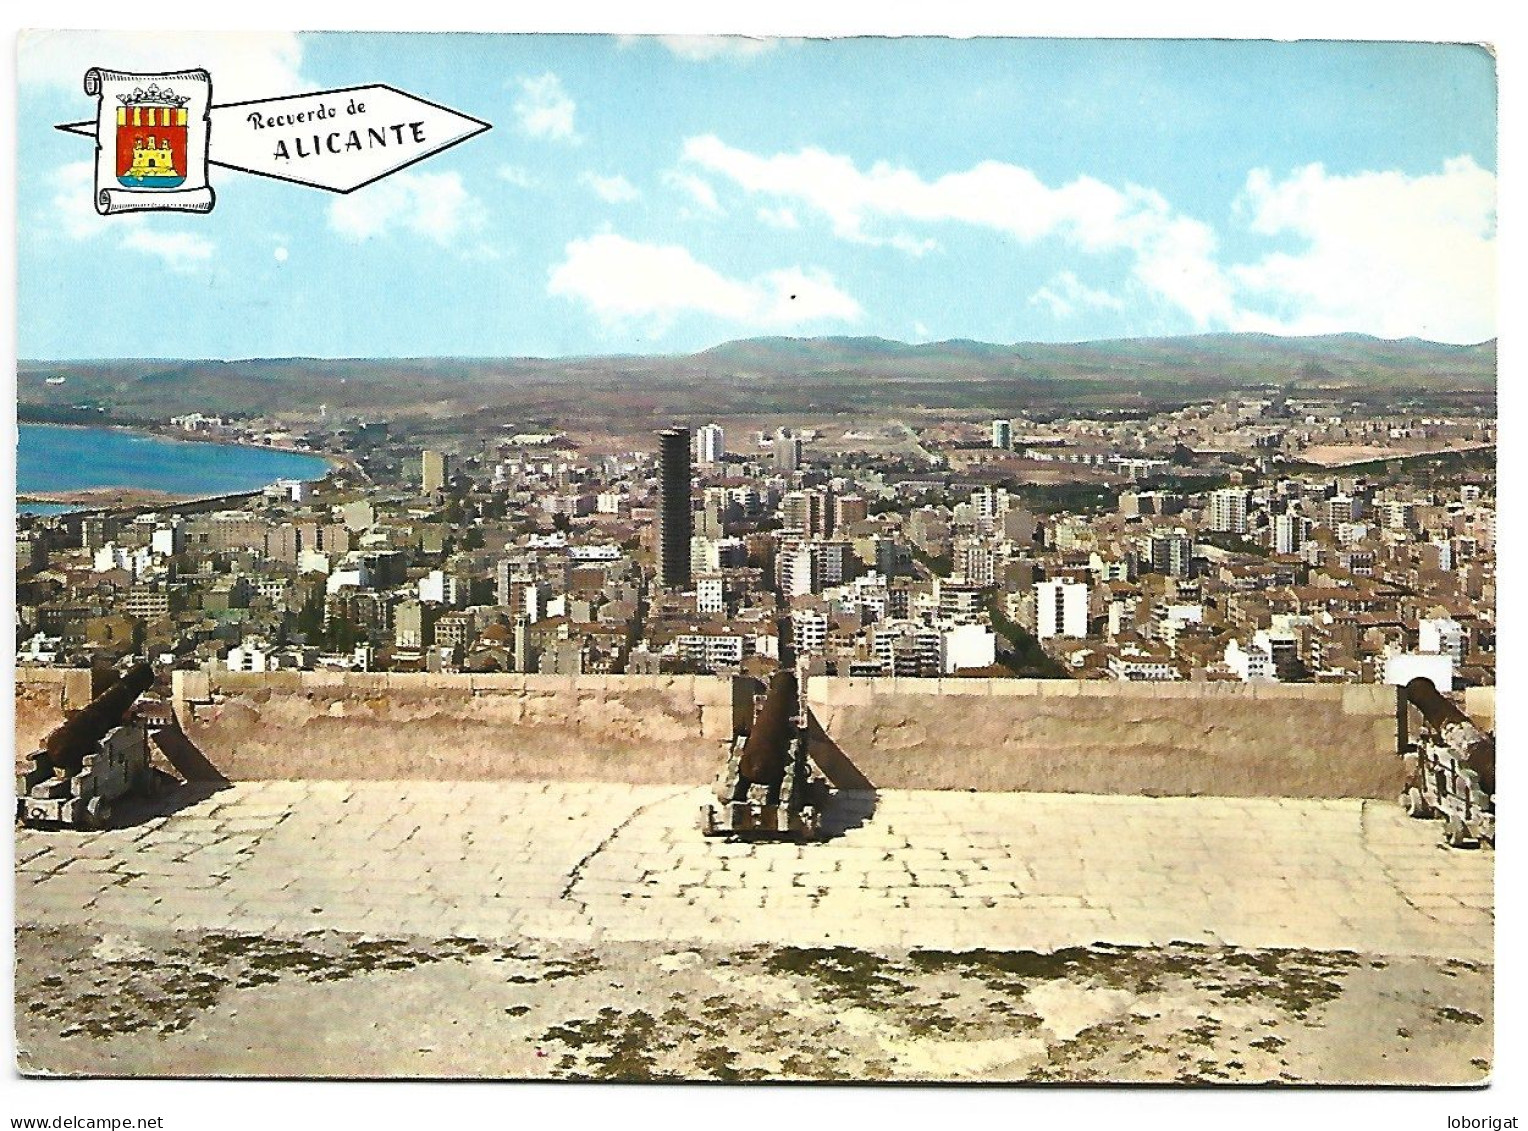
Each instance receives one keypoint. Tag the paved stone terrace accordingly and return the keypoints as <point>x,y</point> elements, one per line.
<point>939,870</point>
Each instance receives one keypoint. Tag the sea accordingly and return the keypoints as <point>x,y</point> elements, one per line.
<point>53,458</point>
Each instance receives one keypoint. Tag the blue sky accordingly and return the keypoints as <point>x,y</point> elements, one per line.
<point>666,195</point>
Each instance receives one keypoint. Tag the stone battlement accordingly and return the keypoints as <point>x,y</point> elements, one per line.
<point>1213,739</point>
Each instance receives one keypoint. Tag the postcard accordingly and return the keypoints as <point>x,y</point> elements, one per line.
<point>722,559</point>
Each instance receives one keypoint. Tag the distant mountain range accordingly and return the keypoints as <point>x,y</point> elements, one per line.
<point>762,375</point>
<point>1355,357</point>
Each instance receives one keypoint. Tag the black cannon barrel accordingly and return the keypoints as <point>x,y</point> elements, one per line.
<point>1435,707</point>
<point>79,734</point>
<point>1474,746</point>
<point>767,750</point>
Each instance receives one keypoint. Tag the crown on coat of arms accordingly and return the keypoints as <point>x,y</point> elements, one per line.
<point>153,96</point>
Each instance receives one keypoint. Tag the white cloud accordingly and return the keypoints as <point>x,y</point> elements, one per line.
<point>1173,254</point>
<point>74,201</point>
<point>908,244</point>
<point>697,189</point>
<point>434,205</point>
<point>243,65</point>
<point>544,108</point>
<point>281,254</point>
<point>514,175</point>
<point>624,281</point>
<point>179,250</point>
<point>1065,294</point>
<point>1385,253</point>
<point>700,48</point>
<point>74,214</point>
<point>612,190</point>
<point>779,218</point>
<point>810,295</point>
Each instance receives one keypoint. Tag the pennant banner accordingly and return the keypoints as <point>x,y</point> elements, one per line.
<point>156,135</point>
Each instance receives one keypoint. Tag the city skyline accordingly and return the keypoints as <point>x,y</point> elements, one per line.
<point>658,196</point>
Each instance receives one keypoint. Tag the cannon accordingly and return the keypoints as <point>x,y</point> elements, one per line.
<point>767,789</point>
<point>1450,768</point>
<point>96,756</point>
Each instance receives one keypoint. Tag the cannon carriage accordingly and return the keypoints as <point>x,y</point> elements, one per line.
<point>96,757</point>
<point>767,789</point>
<point>1450,767</point>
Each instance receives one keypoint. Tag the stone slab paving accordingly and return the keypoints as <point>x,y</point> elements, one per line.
<point>907,869</point>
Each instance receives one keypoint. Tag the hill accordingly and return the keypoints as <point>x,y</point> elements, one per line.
<point>769,375</point>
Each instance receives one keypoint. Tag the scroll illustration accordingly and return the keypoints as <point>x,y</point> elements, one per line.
<point>153,137</point>
<point>151,141</point>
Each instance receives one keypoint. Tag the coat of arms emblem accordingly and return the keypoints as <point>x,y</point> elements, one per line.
<point>151,141</point>
<point>151,138</point>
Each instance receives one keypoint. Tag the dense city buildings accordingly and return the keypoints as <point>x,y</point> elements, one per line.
<point>1190,542</point>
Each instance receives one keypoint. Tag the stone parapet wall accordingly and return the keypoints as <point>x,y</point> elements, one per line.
<point>305,725</point>
<point>42,697</point>
<point>1480,706</point>
<point>1212,739</point>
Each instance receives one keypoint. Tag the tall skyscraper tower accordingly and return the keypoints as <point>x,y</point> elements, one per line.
<point>1002,434</point>
<point>675,525</point>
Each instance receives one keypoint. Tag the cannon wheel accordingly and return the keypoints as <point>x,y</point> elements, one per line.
<point>1455,833</point>
<point>97,813</point>
<point>1415,804</point>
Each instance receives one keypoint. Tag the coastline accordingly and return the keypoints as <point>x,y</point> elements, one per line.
<point>176,435</point>
<point>101,497</point>
<point>122,496</point>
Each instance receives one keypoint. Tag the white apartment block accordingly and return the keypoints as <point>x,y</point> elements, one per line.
<point>1441,636</point>
<point>908,648</point>
<point>1228,510</point>
<point>1061,609</point>
<point>809,631</point>
<point>710,595</point>
<point>968,646</point>
<point>710,444</point>
<point>713,651</point>
<point>439,587</point>
<point>1289,532</point>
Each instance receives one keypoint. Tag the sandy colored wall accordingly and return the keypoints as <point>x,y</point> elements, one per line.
<point>641,729</point>
<point>1480,706</point>
<point>1065,736</point>
<point>1221,739</point>
<point>42,697</point>
<point>1108,737</point>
